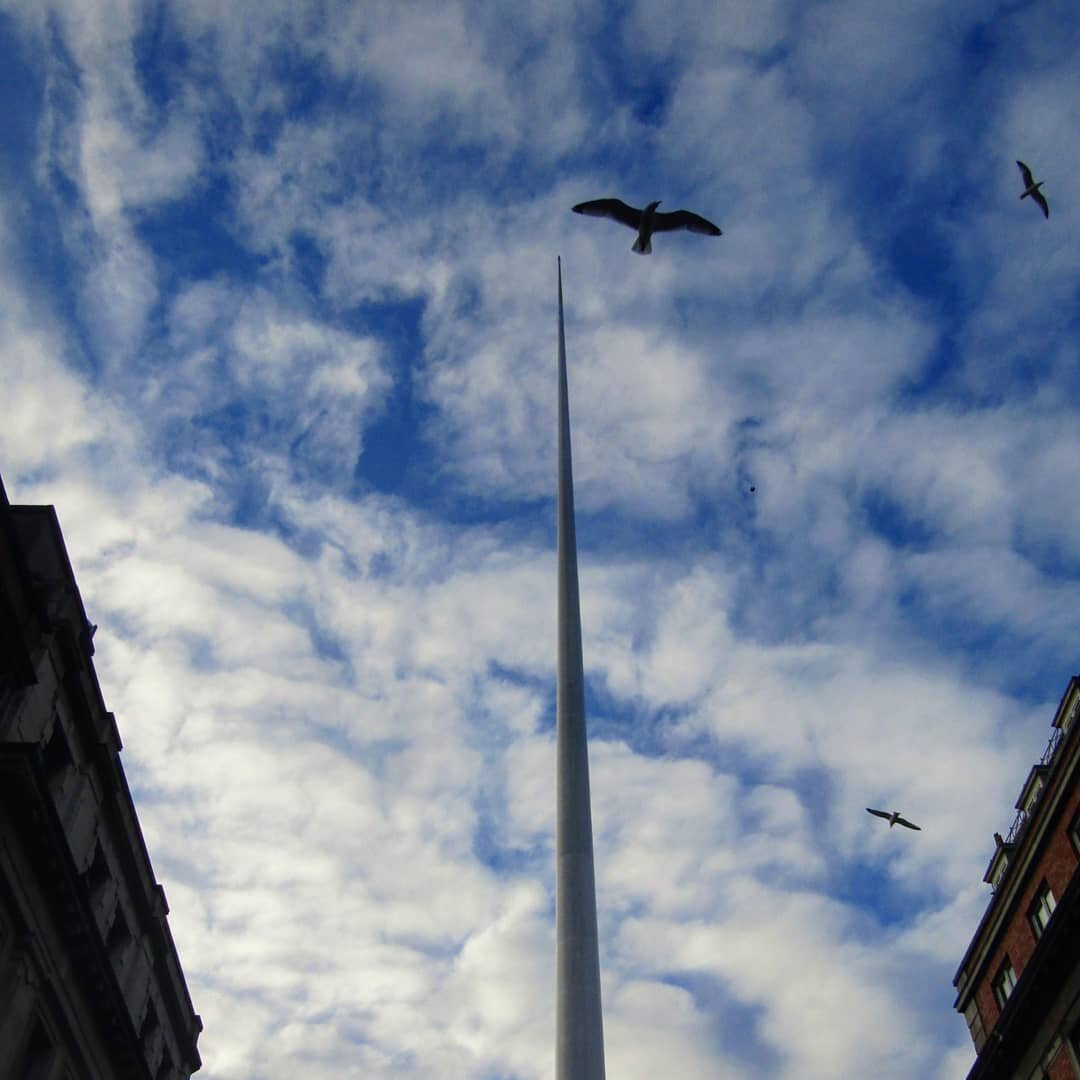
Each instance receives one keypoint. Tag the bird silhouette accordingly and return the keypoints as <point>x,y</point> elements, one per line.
<point>647,221</point>
<point>894,818</point>
<point>1031,188</point>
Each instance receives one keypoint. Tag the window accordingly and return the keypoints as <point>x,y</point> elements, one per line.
<point>975,1025</point>
<point>165,1069</point>
<point>1070,716</point>
<point>151,1038</point>
<point>118,940</point>
<point>1042,907</point>
<point>1004,982</point>
<point>150,1021</point>
<point>38,1056</point>
<point>56,754</point>
<point>97,873</point>
<point>1033,795</point>
<point>997,872</point>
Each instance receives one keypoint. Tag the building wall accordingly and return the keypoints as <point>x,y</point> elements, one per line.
<point>90,983</point>
<point>1056,866</point>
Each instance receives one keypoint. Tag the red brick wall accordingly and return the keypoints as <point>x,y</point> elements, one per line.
<point>1056,866</point>
<point>1060,1067</point>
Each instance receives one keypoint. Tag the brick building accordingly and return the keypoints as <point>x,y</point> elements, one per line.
<point>1018,985</point>
<point>90,982</point>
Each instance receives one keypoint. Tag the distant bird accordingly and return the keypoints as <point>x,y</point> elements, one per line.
<point>646,221</point>
<point>1032,189</point>
<point>894,818</point>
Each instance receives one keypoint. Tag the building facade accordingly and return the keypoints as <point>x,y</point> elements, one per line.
<point>1018,986</point>
<point>90,983</point>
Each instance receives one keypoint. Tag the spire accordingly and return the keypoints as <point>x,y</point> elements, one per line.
<point>579,1031</point>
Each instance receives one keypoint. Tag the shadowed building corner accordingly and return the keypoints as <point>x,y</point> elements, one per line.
<point>90,981</point>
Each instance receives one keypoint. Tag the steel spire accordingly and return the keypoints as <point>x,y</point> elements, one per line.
<point>579,1034</point>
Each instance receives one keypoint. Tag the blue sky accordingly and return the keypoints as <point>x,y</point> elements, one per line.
<point>277,289</point>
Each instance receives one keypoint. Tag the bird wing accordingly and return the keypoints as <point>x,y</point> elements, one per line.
<point>683,219</point>
<point>879,813</point>
<point>1025,172</point>
<point>612,208</point>
<point>908,824</point>
<point>1040,198</point>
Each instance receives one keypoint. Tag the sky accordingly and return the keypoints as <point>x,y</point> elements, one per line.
<point>277,301</point>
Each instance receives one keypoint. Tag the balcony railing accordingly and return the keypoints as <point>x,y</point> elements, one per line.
<point>1055,739</point>
<point>1016,830</point>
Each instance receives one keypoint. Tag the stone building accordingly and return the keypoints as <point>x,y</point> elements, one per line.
<point>90,983</point>
<point>1019,982</point>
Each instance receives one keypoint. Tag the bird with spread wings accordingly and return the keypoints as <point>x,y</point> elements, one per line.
<point>894,819</point>
<point>647,221</point>
<point>1032,188</point>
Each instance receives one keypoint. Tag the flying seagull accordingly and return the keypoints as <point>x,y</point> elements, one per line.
<point>1032,189</point>
<point>646,221</point>
<point>894,818</point>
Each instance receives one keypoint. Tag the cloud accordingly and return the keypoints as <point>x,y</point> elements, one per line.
<point>218,713</point>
